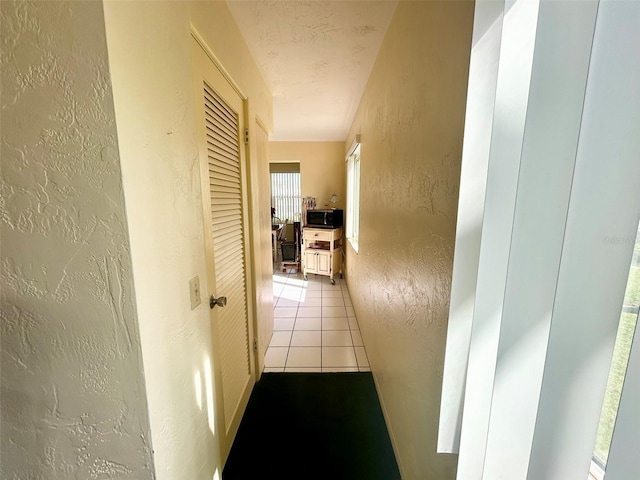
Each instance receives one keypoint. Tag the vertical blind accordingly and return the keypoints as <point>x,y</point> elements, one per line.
<point>550,281</point>
<point>285,196</point>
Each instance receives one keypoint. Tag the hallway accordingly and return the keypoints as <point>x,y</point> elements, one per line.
<point>315,327</point>
<point>104,237</point>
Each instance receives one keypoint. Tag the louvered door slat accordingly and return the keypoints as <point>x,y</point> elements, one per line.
<point>222,185</point>
<point>224,192</point>
<point>219,120</point>
<point>223,179</point>
<point>220,154</point>
<point>220,199</point>
<point>228,262</point>
<point>230,331</point>
<point>215,122</point>
<point>220,177</point>
<point>217,222</point>
<point>224,212</point>
<point>221,218</point>
<point>229,259</point>
<point>220,142</point>
<point>228,118</point>
<point>222,157</point>
<point>226,136</point>
<point>228,172</point>
<point>219,105</point>
<point>227,209</point>
<point>226,196</point>
<point>229,234</point>
<point>226,229</point>
<point>227,282</point>
<point>227,242</point>
<point>225,186</point>
<point>225,189</point>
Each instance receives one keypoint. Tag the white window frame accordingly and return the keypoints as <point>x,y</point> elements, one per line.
<point>353,194</point>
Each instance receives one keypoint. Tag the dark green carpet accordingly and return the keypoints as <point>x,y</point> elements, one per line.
<point>312,426</point>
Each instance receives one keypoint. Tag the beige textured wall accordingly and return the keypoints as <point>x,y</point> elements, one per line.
<point>411,119</point>
<point>322,168</point>
<point>73,395</point>
<point>149,51</point>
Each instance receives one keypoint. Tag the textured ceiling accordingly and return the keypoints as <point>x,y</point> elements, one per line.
<point>316,57</point>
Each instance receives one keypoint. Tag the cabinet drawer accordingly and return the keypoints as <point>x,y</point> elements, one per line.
<point>314,235</point>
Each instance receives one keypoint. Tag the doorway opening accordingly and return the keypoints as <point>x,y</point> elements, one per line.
<point>286,207</point>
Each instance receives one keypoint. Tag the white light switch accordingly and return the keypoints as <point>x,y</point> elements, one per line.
<point>194,289</point>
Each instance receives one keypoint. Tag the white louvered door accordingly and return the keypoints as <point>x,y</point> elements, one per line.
<point>220,125</point>
<point>223,151</point>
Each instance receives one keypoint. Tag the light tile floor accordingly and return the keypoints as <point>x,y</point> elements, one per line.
<point>315,327</point>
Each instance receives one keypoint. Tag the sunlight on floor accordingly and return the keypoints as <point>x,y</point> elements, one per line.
<point>315,327</point>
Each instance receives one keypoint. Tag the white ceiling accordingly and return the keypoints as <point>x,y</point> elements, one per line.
<point>316,57</point>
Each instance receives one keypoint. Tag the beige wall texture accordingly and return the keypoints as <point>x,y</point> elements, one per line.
<point>73,396</point>
<point>411,120</point>
<point>322,168</point>
<point>149,50</point>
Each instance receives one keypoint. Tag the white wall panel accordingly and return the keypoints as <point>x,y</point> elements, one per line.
<point>558,81</point>
<point>562,197</point>
<point>483,72</point>
<point>514,73</point>
<point>604,205</point>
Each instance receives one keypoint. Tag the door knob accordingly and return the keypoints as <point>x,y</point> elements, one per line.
<point>220,301</point>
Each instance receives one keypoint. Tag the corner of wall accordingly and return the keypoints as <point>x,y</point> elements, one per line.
<point>73,394</point>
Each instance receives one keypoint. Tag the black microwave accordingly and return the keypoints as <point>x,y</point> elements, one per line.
<point>333,218</point>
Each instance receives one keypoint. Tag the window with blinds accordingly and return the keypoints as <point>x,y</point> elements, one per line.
<point>285,196</point>
<point>353,196</point>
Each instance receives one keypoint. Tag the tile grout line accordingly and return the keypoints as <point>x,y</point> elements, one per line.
<point>353,344</point>
<point>324,288</point>
<point>293,327</point>
<point>286,358</point>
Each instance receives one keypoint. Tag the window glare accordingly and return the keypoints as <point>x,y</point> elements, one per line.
<point>353,197</point>
<point>621,352</point>
<point>285,196</point>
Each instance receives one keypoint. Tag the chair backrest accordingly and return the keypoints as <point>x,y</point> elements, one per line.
<point>280,235</point>
<point>279,225</point>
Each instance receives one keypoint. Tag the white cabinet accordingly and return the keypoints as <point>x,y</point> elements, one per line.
<point>322,251</point>
<point>317,261</point>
